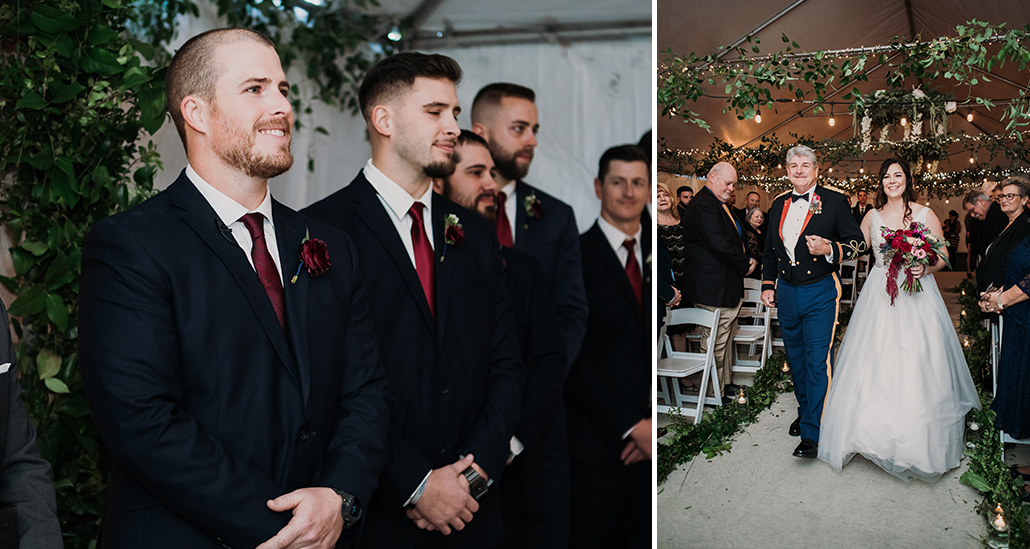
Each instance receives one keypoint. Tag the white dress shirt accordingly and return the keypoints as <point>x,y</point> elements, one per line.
<point>616,237</point>
<point>396,201</point>
<point>230,212</point>
<point>797,210</point>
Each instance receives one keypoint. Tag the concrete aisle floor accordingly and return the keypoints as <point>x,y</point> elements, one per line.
<point>759,496</point>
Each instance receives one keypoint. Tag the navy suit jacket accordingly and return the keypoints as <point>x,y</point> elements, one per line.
<point>457,379</point>
<point>609,388</point>
<point>717,262</point>
<point>553,239</point>
<point>208,408</point>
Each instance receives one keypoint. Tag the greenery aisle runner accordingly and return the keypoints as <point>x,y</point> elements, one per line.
<point>987,472</point>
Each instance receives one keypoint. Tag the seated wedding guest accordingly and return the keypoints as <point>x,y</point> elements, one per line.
<point>952,228</point>
<point>535,483</point>
<point>609,388</point>
<point>683,196</point>
<point>988,213</point>
<point>718,263</point>
<point>1013,196</point>
<point>239,410</point>
<point>26,481</point>
<point>441,312</point>
<point>754,239</point>
<point>1012,397</point>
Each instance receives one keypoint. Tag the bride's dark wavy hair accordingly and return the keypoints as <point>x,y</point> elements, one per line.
<point>908,195</point>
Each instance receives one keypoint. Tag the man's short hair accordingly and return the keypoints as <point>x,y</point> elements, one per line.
<point>192,70</point>
<point>753,193</point>
<point>625,153</point>
<point>804,152</point>
<point>680,190</point>
<point>397,74</point>
<point>467,137</point>
<point>492,94</point>
<point>974,195</point>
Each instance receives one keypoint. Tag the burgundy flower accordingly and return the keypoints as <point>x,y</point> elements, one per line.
<point>315,254</point>
<point>454,235</point>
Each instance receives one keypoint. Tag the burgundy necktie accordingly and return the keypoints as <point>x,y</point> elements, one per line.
<point>424,263</point>
<point>503,225</point>
<point>264,265</point>
<point>633,271</point>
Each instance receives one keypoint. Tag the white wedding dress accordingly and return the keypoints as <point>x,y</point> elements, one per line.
<point>900,389</point>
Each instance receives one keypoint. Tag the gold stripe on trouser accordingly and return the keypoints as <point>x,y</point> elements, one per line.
<point>829,351</point>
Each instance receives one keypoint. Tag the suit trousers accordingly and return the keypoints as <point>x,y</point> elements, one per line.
<point>808,319</point>
<point>724,333</point>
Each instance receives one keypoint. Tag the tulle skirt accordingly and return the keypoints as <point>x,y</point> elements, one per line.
<point>900,390</point>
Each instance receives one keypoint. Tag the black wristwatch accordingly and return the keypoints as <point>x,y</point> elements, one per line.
<point>477,484</point>
<point>351,508</point>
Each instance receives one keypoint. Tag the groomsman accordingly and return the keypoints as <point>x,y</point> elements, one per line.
<point>609,388</point>
<point>235,380</point>
<point>441,313</point>
<point>535,494</point>
<point>815,232</point>
<point>529,219</point>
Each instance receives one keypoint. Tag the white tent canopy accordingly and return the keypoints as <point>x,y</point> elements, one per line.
<point>591,94</point>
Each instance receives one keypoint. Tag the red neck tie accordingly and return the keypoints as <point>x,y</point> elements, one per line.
<point>423,255</point>
<point>264,265</point>
<point>503,225</point>
<point>633,271</point>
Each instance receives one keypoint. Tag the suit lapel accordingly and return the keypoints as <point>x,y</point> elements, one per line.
<point>446,256</point>
<point>288,235</point>
<point>372,213</point>
<point>201,217</point>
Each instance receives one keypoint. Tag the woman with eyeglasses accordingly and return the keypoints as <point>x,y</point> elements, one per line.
<point>991,270</point>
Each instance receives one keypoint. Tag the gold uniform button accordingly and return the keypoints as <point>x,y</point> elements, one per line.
<point>809,272</point>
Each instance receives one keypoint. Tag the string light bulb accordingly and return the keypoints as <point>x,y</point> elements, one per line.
<point>972,160</point>
<point>833,121</point>
<point>904,121</point>
<point>758,117</point>
<point>969,115</point>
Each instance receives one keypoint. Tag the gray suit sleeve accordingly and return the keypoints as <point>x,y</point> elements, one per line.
<point>26,478</point>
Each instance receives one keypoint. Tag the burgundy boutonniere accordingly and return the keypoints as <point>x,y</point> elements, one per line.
<point>315,254</point>
<point>453,234</point>
<point>534,209</point>
<point>816,207</point>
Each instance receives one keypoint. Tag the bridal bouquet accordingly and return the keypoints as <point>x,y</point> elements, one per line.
<point>908,248</point>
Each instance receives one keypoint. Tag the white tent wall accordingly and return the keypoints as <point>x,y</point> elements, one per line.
<point>591,96</point>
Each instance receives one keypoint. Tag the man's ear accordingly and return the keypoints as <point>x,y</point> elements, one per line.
<point>597,187</point>
<point>382,120</point>
<point>479,129</point>
<point>438,186</point>
<point>196,113</point>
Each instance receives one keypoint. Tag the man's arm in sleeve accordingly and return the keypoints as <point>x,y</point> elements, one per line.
<point>710,227</point>
<point>850,243</point>
<point>570,295</point>
<point>128,350</point>
<point>26,475</point>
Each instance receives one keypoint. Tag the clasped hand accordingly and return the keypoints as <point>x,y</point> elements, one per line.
<point>917,270</point>
<point>989,301</point>
<point>817,245</point>
<point>316,523</point>
<point>446,502</point>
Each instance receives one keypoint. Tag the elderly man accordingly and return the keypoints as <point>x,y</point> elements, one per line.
<point>816,232</point>
<point>714,277</point>
<point>988,212</point>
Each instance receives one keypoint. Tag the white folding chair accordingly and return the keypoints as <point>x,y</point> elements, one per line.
<point>682,364</point>
<point>661,394</point>
<point>753,335</point>
<point>849,281</point>
<point>748,309</point>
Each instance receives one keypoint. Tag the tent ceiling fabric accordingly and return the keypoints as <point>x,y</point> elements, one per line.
<point>821,25</point>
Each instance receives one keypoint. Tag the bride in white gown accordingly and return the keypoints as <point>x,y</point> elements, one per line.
<point>901,389</point>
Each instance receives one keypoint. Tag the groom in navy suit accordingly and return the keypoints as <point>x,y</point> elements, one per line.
<point>441,314</point>
<point>235,380</point>
<point>812,230</point>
